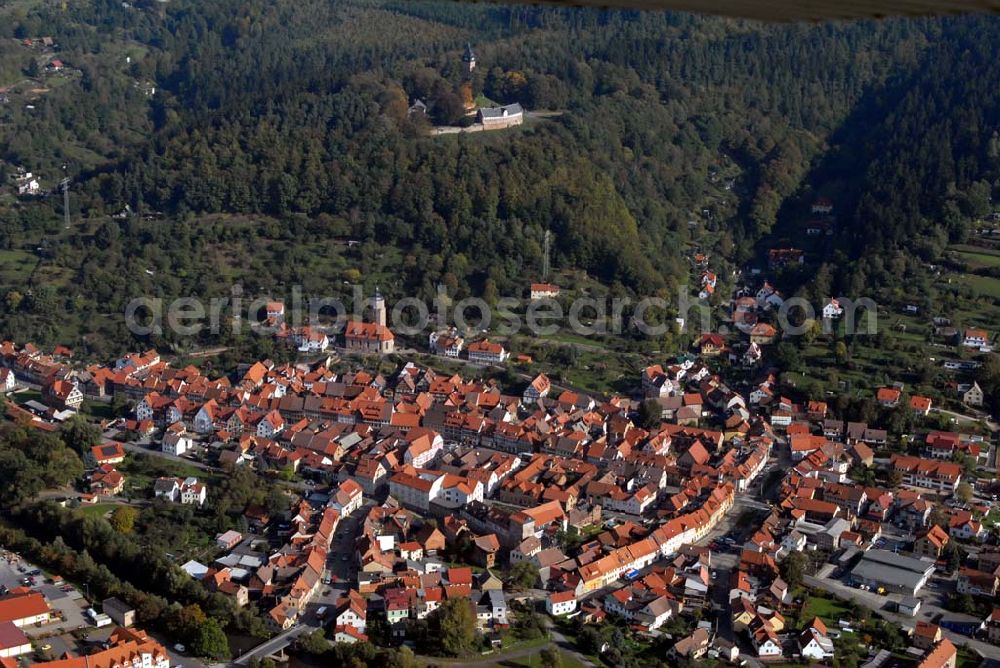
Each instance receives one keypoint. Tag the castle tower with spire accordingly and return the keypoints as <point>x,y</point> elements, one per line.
<point>469,58</point>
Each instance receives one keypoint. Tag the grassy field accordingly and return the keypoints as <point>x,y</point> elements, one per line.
<point>24,396</point>
<point>98,409</point>
<point>976,256</point>
<point>829,610</point>
<point>535,661</point>
<point>604,372</point>
<point>569,337</point>
<point>483,101</point>
<point>983,285</point>
<point>16,265</point>
<point>141,471</point>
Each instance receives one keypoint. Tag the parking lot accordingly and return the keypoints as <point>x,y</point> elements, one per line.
<point>67,604</point>
<point>53,647</point>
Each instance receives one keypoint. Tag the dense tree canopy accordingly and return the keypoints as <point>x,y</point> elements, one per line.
<point>31,461</point>
<point>270,141</point>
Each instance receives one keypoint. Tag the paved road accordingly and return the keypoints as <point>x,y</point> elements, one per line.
<point>491,659</point>
<point>990,424</point>
<point>153,451</point>
<point>876,603</point>
<point>565,645</point>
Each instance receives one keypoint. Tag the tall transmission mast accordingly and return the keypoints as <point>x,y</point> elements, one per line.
<point>65,188</point>
<point>545,256</point>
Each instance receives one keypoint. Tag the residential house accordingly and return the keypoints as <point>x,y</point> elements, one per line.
<point>711,345</point>
<point>832,310</point>
<point>977,583</point>
<point>485,549</point>
<point>942,655</point>
<point>694,646</point>
<point>109,453</point>
<point>352,611</point>
<point>176,444</point>
<point>926,635</point>
<point>539,387</point>
<point>125,647</point>
<point>975,338</point>
<point>763,334</point>
<point>781,257</point>
<point>560,603</point>
<point>814,643</point>
<point>348,498</point>
<point>228,540</point>
<point>932,474</point>
<point>63,394</point>
<point>931,543</point>
<point>8,382</point>
<point>543,291</point>
<point>993,626</point>
<point>486,352</point>
<point>921,406</point>
<point>186,491</point>
<point>974,395</point>
<point>106,480</point>
<point>888,396</point>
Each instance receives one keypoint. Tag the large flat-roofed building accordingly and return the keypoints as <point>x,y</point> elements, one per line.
<point>894,572</point>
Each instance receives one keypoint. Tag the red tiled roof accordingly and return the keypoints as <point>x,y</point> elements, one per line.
<point>368,331</point>
<point>24,606</point>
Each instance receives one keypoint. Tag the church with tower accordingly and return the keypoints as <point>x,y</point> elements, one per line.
<point>371,337</point>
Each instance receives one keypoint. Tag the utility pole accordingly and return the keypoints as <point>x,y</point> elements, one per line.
<point>545,257</point>
<point>65,188</point>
